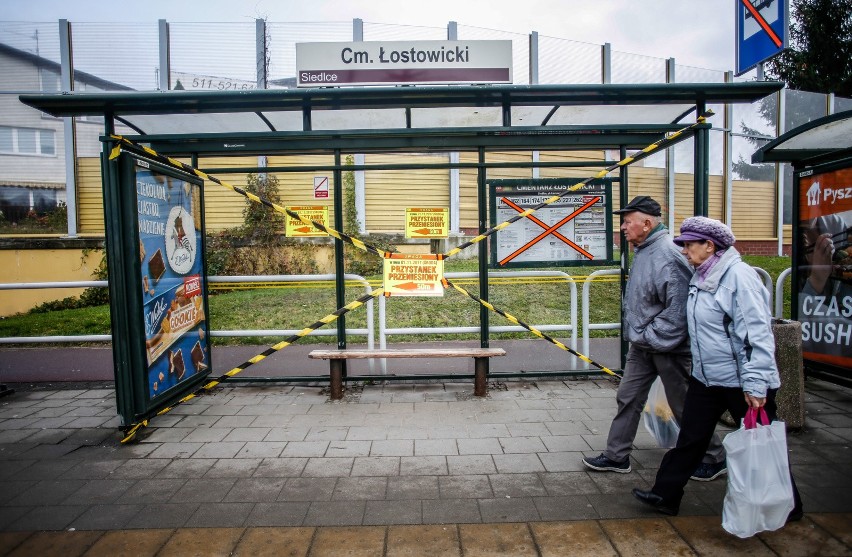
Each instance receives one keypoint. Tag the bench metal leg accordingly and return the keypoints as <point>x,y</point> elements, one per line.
<point>338,369</point>
<point>480,378</point>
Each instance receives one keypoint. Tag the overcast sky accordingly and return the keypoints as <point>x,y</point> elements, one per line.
<point>696,33</point>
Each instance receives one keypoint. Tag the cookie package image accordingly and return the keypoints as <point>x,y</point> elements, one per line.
<point>176,364</point>
<point>198,357</point>
<point>156,265</point>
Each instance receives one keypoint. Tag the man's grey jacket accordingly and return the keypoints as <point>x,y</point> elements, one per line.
<point>655,298</point>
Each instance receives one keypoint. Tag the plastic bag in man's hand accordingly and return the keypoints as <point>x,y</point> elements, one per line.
<point>658,417</point>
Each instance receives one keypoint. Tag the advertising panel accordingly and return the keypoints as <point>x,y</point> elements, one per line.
<point>573,230</point>
<point>172,278</point>
<point>823,279</point>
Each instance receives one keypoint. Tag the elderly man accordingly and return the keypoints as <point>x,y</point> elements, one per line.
<point>654,310</point>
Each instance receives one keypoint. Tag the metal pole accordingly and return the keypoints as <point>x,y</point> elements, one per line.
<point>260,53</point>
<point>670,159</point>
<point>165,64</point>
<point>534,80</point>
<point>69,127</point>
<point>606,63</point>
<point>482,198</point>
<point>780,176</point>
<point>702,169</point>
<point>728,154</point>
<point>339,267</point>
<point>625,252</point>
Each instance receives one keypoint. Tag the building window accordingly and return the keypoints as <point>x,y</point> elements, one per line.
<point>27,141</point>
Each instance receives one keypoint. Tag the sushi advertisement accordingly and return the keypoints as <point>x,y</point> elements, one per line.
<point>171,263</point>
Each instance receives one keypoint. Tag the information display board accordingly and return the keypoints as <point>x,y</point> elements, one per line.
<point>823,261</point>
<point>574,230</point>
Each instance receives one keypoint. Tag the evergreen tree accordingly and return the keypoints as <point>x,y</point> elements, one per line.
<point>820,55</point>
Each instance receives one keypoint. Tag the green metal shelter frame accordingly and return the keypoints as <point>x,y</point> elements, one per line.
<point>338,121</point>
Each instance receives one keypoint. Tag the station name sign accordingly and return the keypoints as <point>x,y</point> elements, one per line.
<point>403,62</point>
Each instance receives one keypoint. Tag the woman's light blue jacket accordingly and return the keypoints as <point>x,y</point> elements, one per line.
<point>730,328</point>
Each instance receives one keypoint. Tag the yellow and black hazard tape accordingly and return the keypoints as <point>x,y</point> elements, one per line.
<point>530,328</point>
<point>120,140</point>
<point>668,139</point>
<point>130,433</point>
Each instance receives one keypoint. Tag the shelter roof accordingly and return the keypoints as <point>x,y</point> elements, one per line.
<point>396,115</point>
<point>827,137</point>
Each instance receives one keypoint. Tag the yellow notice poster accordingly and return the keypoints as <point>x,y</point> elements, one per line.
<point>298,229</point>
<point>413,275</point>
<point>427,223</point>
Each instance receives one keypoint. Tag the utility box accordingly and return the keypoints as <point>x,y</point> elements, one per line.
<point>158,284</point>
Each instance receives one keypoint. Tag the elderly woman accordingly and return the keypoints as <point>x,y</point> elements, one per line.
<point>733,355</point>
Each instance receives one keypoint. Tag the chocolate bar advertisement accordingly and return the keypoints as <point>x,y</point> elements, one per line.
<point>172,279</point>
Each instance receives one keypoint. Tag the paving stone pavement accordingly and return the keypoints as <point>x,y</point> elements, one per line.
<point>394,469</point>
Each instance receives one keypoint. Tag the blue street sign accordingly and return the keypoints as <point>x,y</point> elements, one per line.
<point>762,31</point>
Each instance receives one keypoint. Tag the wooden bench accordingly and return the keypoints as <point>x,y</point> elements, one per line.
<point>337,360</point>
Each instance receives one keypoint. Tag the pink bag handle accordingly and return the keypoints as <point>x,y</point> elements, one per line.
<point>750,420</point>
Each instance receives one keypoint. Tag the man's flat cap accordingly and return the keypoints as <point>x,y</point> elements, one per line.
<point>643,204</point>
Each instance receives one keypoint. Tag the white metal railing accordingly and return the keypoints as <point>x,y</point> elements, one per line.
<point>767,282</point>
<point>779,293</point>
<point>585,303</point>
<point>384,330</point>
<point>369,331</point>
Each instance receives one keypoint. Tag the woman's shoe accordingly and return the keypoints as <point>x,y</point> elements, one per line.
<point>653,500</point>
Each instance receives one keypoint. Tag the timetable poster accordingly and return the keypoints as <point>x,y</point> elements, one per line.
<point>573,229</point>
<point>170,253</point>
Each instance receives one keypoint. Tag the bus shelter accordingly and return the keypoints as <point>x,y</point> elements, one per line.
<point>821,154</point>
<point>158,281</point>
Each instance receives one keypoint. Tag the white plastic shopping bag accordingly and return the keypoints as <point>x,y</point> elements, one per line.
<point>760,491</point>
<point>658,417</point>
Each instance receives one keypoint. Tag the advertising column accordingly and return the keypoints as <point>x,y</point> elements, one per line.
<point>824,266</point>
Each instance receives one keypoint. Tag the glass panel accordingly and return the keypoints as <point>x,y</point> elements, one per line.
<point>842,104</point>
<point>116,56</point>
<point>47,142</point>
<point>282,46</point>
<point>6,145</point>
<point>26,141</point>
<point>563,61</point>
<point>520,48</point>
<point>634,68</point>
<point>49,80</point>
<point>743,148</point>
<point>22,41</point>
<point>690,74</point>
<point>223,52</point>
<point>385,32</point>
<point>803,107</point>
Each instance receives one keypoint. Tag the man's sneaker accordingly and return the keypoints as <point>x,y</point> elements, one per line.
<point>603,464</point>
<point>709,471</point>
